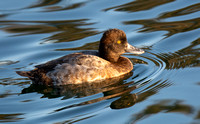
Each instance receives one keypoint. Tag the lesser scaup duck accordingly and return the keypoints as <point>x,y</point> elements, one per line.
<point>83,67</point>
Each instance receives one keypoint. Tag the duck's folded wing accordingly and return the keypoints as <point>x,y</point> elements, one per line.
<point>83,68</point>
<point>53,63</point>
<point>91,61</point>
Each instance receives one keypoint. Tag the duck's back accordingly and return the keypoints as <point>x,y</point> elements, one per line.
<point>77,68</point>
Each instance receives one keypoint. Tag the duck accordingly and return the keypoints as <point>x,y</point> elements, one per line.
<point>87,66</point>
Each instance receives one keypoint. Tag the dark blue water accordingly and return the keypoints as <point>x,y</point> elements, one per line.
<point>164,86</point>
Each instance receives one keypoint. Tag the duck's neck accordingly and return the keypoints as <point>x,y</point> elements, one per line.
<point>111,57</point>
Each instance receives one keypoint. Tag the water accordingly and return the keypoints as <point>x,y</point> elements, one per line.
<point>164,86</point>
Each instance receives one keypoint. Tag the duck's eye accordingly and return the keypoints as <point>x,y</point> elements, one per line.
<point>119,41</point>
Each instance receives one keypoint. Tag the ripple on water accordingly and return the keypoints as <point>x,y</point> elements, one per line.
<point>7,62</point>
<point>144,73</point>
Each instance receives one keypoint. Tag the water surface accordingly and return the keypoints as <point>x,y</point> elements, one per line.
<point>164,86</point>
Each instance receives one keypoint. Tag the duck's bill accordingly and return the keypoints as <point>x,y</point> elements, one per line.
<point>134,50</point>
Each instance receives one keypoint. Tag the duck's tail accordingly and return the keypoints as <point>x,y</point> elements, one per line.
<point>24,73</point>
<point>38,76</point>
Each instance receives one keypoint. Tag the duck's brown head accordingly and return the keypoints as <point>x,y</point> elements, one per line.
<point>114,43</point>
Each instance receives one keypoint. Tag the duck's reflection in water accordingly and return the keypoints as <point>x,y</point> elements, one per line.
<point>115,87</point>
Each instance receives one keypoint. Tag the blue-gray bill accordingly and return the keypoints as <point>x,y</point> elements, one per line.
<point>134,50</point>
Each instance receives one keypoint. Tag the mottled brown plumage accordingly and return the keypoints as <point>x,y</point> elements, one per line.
<point>83,67</point>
